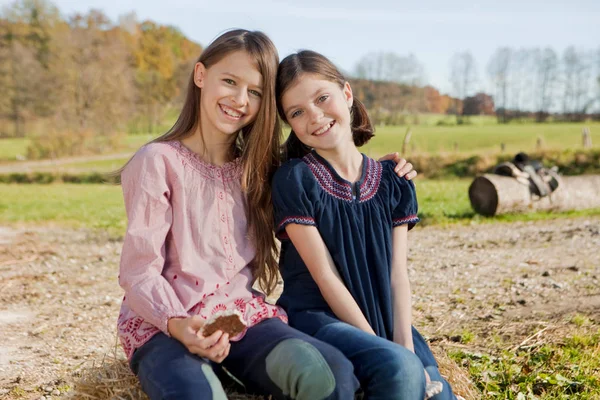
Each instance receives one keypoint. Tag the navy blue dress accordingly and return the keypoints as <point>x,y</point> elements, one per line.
<point>355,222</point>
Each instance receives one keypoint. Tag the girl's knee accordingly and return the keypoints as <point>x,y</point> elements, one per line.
<point>301,372</point>
<point>392,371</point>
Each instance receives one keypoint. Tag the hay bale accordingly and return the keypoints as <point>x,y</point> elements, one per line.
<point>110,378</point>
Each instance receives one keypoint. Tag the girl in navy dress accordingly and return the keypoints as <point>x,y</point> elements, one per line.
<point>343,219</point>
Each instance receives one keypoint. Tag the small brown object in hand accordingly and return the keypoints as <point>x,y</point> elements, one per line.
<point>229,322</point>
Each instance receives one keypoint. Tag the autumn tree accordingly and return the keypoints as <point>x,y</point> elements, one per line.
<point>162,53</point>
<point>25,34</point>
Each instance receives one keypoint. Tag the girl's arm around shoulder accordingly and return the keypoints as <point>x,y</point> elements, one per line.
<point>146,191</point>
<point>316,257</point>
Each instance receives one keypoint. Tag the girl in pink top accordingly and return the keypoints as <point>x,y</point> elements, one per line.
<point>199,235</point>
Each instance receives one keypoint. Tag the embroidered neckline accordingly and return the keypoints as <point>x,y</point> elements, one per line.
<point>332,183</point>
<point>229,171</point>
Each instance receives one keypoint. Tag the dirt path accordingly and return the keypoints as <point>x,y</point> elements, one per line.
<point>59,296</point>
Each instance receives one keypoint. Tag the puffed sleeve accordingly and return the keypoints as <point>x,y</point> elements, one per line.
<point>293,197</point>
<point>147,202</point>
<point>405,211</point>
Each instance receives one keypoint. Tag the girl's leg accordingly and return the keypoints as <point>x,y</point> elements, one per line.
<point>273,358</point>
<point>385,369</point>
<point>424,353</point>
<point>167,370</point>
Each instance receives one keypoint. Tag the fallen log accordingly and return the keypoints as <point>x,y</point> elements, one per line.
<point>495,194</point>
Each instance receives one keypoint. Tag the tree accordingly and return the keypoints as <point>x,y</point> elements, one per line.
<point>25,36</point>
<point>162,54</point>
<point>576,83</point>
<point>498,70</point>
<point>546,71</point>
<point>97,79</point>
<point>390,67</point>
<point>462,75</point>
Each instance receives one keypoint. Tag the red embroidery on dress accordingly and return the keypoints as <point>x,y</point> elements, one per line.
<point>134,332</point>
<point>196,309</point>
<point>217,308</point>
<point>240,304</point>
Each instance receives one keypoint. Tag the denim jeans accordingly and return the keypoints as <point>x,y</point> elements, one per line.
<point>272,359</point>
<point>386,370</point>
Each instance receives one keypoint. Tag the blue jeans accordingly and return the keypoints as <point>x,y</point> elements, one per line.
<point>272,359</point>
<point>386,370</point>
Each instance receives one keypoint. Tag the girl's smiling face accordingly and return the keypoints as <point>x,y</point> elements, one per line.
<point>318,111</point>
<point>231,93</point>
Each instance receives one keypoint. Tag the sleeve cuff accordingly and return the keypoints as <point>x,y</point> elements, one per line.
<point>411,220</point>
<point>280,231</point>
<point>164,321</point>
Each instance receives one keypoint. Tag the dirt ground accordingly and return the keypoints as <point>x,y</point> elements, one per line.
<point>59,297</point>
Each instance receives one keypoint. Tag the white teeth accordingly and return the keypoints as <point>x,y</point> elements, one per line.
<point>323,129</point>
<point>231,113</point>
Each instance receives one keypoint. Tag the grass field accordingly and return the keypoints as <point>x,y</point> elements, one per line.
<point>480,139</point>
<point>10,149</point>
<point>101,206</point>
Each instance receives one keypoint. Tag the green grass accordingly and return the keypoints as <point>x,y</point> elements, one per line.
<point>11,148</point>
<point>565,366</point>
<point>441,202</point>
<point>480,139</point>
<point>70,205</point>
<point>87,166</point>
<point>481,136</point>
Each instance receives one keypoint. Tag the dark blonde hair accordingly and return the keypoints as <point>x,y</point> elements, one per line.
<point>258,143</point>
<point>304,62</point>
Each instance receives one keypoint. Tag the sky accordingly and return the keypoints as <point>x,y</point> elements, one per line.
<point>345,31</point>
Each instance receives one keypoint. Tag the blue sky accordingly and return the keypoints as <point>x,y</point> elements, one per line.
<point>346,30</point>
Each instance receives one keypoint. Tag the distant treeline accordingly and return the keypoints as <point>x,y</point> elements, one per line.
<point>84,73</point>
<point>527,83</point>
<point>80,80</point>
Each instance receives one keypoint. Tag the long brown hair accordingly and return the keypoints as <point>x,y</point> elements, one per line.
<point>258,143</point>
<point>310,62</point>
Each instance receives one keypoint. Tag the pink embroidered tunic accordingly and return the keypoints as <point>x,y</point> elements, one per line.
<point>186,251</point>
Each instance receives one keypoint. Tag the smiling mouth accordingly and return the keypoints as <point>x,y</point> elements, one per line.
<point>324,129</point>
<point>230,112</point>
